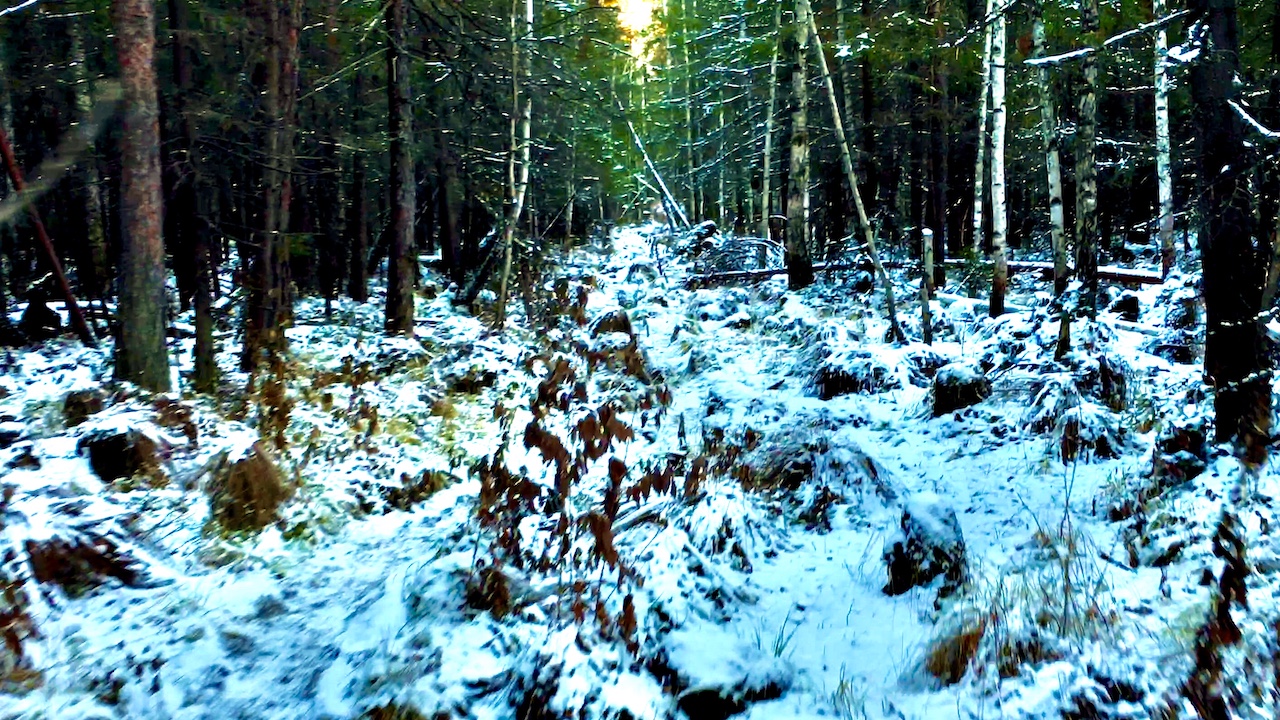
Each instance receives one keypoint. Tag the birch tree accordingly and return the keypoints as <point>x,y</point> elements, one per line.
<point>766,191</point>
<point>999,213</point>
<point>1052,142</point>
<point>1164,171</point>
<point>1087,239</point>
<point>984,122</point>
<point>799,264</point>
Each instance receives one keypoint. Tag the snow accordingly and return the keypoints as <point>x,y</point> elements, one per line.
<point>760,579</point>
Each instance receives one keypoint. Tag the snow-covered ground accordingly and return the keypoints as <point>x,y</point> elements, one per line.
<point>644,508</point>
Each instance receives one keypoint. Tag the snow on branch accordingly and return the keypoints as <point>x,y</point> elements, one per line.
<point>1059,59</point>
<point>20,6</point>
<point>1109,42</point>
<point>1253,123</point>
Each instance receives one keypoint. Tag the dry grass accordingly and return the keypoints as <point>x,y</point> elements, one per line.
<point>246,495</point>
<point>950,655</point>
<point>1031,615</point>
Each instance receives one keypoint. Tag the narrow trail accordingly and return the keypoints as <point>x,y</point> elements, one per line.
<point>820,606</point>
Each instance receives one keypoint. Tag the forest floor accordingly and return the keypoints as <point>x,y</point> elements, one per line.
<point>663,502</point>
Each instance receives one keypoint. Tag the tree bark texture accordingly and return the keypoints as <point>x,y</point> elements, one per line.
<point>269,298</point>
<point>846,159</point>
<point>1051,141</point>
<point>999,210</point>
<point>1087,235</point>
<point>141,357</point>
<point>401,257</point>
<point>1164,166</point>
<point>799,263</point>
<point>1232,253</point>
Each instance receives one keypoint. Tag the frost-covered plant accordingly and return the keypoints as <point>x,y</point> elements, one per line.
<point>1053,601</point>
<point>849,699</point>
<point>780,645</point>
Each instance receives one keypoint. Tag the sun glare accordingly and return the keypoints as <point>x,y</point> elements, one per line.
<point>635,17</point>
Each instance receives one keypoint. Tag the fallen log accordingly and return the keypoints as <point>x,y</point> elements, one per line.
<point>1110,273</point>
<point>693,282</point>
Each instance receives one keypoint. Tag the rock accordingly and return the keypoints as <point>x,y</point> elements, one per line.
<point>466,379</point>
<point>710,704</point>
<point>237,643</point>
<point>611,322</point>
<point>717,675</point>
<point>11,432</point>
<point>642,272</point>
<point>957,386</point>
<point>120,454</point>
<point>172,414</point>
<point>852,372</point>
<point>930,544</point>
<point>1182,312</point>
<point>245,494</point>
<point>863,282</point>
<point>706,305</point>
<point>738,321</point>
<point>1182,452</point>
<point>924,363</point>
<point>38,322</point>
<point>1127,307</point>
<point>78,406</point>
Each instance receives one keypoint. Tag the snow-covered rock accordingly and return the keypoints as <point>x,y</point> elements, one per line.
<point>958,385</point>
<point>928,544</point>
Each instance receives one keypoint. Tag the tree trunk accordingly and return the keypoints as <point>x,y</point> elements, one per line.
<point>766,189</point>
<point>799,264</point>
<point>846,159</point>
<point>518,170</point>
<point>984,122</point>
<point>869,173</point>
<point>269,298</point>
<point>691,174</point>
<point>450,204</point>
<point>939,150</point>
<point>999,213</point>
<point>1051,141</point>
<point>141,357</point>
<point>926,289</point>
<point>93,284</point>
<point>400,258</point>
<point>1233,258</point>
<point>192,205</point>
<point>1087,239</point>
<point>357,230</point>
<point>1164,170</point>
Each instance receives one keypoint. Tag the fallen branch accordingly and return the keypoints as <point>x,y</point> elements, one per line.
<point>1112,273</point>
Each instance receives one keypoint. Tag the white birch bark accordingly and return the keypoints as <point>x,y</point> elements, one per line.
<point>796,250</point>
<point>984,120</point>
<point>1164,173</point>
<point>766,191</point>
<point>999,214</point>
<point>1052,142</point>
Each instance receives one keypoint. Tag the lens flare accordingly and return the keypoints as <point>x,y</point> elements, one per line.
<point>635,17</point>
